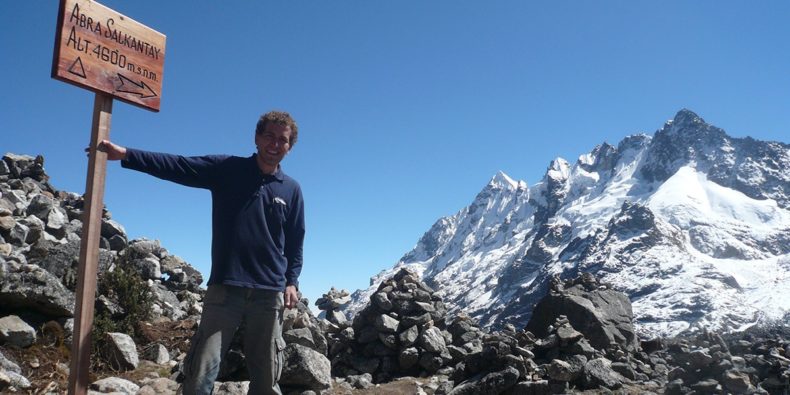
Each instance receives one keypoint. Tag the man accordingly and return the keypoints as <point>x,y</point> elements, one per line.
<point>256,249</point>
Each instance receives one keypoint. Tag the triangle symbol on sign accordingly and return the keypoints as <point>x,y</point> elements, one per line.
<point>77,69</point>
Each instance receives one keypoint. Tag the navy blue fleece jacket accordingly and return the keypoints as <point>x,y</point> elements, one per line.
<point>257,219</point>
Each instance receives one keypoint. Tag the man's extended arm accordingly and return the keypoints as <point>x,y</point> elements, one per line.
<point>197,171</point>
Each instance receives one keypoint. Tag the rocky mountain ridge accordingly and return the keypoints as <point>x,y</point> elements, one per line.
<point>692,224</point>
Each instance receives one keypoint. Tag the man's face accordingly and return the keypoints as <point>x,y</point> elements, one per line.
<point>273,143</point>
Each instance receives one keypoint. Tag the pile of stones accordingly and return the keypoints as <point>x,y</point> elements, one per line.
<point>40,233</point>
<point>751,362</point>
<point>330,305</point>
<point>400,332</point>
<point>579,338</point>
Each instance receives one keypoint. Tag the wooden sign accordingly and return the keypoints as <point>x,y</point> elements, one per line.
<point>104,51</point>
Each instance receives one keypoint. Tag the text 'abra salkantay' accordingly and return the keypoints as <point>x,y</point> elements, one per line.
<point>104,53</point>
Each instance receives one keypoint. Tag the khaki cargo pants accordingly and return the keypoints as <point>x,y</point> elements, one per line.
<point>224,307</point>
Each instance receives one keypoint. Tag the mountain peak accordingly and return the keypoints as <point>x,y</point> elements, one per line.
<point>686,116</point>
<point>503,180</point>
<point>559,169</point>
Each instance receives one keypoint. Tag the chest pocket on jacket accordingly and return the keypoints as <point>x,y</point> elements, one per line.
<point>277,212</point>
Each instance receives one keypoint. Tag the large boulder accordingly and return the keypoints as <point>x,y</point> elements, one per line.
<point>603,315</point>
<point>305,368</point>
<point>32,288</point>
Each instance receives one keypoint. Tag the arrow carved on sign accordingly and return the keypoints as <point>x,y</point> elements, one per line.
<point>132,87</point>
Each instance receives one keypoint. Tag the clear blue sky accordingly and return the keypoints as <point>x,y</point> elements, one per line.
<point>406,109</point>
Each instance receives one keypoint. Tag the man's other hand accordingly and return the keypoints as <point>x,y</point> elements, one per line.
<point>291,296</point>
<point>114,151</point>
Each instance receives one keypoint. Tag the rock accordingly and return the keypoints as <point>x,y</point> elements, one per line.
<point>301,336</point>
<point>524,352</point>
<point>56,221</point>
<point>424,307</point>
<point>700,359</point>
<point>737,382</point>
<point>333,300</point>
<point>231,388</point>
<point>598,372</point>
<point>624,369</point>
<point>168,301</point>
<point>6,224</point>
<point>603,316</point>
<point>178,269</point>
<point>361,381</point>
<point>386,324</point>
<point>491,384</point>
<point>62,260</point>
<point>432,340</point>
<point>121,352</point>
<point>157,353</point>
<point>17,235</point>
<point>142,248</point>
<point>114,385</point>
<point>337,317</point>
<point>21,166</point>
<point>12,374</point>
<point>560,370</point>
<point>709,386</point>
<point>15,332</point>
<point>305,368</point>
<point>409,336</point>
<point>158,386</point>
<point>40,206</point>
<point>415,320</point>
<point>5,249</point>
<point>389,340</point>
<point>110,228</point>
<point>117,243</point>
<point>33,288</point>
<point>149,268</point>
<point>382,301</point>
<point>36,231</point>
<point>568,335</point>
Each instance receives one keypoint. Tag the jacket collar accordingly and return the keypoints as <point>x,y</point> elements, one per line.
<point>278,174</point>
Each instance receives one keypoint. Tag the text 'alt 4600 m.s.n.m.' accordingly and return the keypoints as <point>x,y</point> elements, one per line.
<point>104,51</point>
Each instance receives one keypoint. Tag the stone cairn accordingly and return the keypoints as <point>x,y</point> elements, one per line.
<point>400,332</point>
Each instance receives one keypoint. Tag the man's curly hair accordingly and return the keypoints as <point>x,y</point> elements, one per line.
<point>281,118</point>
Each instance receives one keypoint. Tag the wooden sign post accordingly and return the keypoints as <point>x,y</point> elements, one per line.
<point>99,49</point>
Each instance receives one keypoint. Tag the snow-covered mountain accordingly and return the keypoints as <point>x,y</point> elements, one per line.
<point>692,224</point>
